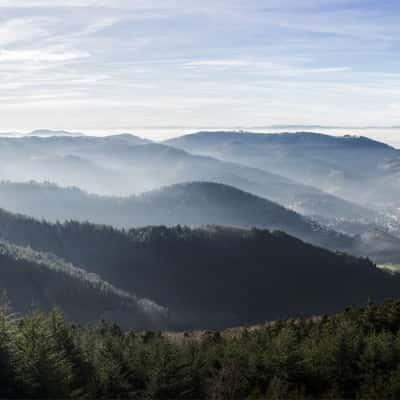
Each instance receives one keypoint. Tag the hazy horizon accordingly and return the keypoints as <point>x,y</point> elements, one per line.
<point>97,65</point>
<point>388,135</point>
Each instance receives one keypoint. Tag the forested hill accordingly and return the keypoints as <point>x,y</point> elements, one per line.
<point>193,204</point>
<point>214,277</point>
<point>351,355</point>
<point>32,280</point>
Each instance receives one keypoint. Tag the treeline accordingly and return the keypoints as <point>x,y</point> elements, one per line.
<point>352,355</point>
<point>214,277</point>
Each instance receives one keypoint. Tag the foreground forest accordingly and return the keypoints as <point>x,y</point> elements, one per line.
<point>352,355</point>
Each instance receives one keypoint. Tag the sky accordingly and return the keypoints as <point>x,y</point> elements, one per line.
<point>156,66</point>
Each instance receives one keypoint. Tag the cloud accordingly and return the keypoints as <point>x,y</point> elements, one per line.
<point>217,63</point>
<point>18,30</point>
<point>264,67</point>
<point>99,25</point>
<point>115,4</point>
<point>42,55</point>
<point>48,3</point>
<point>214,62</point>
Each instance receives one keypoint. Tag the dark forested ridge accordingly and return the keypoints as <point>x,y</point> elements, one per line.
<point>31,280</point>
<point>215,276</point>
<point>351,355</point>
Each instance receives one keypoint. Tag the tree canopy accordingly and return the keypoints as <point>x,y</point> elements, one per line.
<point>354,355</point>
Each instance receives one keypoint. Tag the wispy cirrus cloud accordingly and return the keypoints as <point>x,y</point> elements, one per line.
<point>214,62</point>
<point>263,67</point>
<point>42,55</point>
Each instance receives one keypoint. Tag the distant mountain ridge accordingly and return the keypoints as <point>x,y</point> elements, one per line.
<point>128,138</point>
<point>124,164</point>
<point>49,132</point>
<point>355,168</point>
<point>288,138</point>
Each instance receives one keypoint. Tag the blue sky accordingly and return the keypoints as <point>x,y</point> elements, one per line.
<point>124,65</point>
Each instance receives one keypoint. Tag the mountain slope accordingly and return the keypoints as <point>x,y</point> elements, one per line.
<point>275,150</point>
<point>32,279</point>
<point>116,166</point>
<point>351,167</point>
<point>306,140</point>
<point>214,277</point>
<point>194,204</point>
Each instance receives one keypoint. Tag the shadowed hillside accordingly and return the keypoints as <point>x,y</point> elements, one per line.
<point>33,280</point>
<point>214,277</point>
